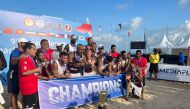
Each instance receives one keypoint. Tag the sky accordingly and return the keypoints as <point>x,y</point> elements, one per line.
<point>135,16</point>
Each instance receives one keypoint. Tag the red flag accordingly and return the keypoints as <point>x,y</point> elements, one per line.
<point>129,34</point>
<point>8,30</point>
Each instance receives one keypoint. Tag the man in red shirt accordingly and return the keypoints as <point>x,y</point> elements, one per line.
<point>113,52</point>
<point>28,82</point>
<point>46,50</point>
<point>140,62</point>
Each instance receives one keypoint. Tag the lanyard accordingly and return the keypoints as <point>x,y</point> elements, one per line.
<point>138,61</point>
<point>32,59</point>
<point>45,53</point>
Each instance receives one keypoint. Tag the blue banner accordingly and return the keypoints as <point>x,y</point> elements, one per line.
<point>34,28</point>
<point>63,93</point>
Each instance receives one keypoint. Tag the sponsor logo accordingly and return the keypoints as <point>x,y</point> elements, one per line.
<point>58,26</point>
<point>40,24</point>
<point>29,22</point>
<point>174,72</point>
<point>68,28</point>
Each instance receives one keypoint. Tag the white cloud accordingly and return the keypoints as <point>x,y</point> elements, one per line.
<point>121,6</point>
<point>187,25</point>
<point>107,38</point>
<point>183,3</point>
<point>135,23</point>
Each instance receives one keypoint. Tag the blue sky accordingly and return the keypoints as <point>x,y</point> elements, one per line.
<point>134,15</point>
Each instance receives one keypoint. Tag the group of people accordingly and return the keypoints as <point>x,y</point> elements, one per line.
<point>28,64</point>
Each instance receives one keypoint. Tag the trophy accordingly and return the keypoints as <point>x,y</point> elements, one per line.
<point>102,99</point>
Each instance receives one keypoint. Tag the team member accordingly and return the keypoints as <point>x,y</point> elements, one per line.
<point>60,67</point>
<point>113,52</point>
<point>72,46</point>
<point>91,60</point>
<point>28,81</point>
<point>45,48</point>
<point>141,64</point>
<point>77,62</point>
<point>45,66</point>
<point>13,85</point>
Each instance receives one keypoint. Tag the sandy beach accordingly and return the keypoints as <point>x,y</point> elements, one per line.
<point>158,95</point>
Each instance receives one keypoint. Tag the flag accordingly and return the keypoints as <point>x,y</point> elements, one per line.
<point>8,30</point>
<point>129,33</point>
<point>100,28</point>
<point>19,31</point>
<point>84,28</point>
<point>87,21</point>
<point>42,34</point>
<point>76,20</point>
<point>61,35</point>
<point>30,33</point>
<point>119,26</point>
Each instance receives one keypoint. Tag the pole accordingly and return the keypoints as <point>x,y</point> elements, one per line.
<point>145,38</point>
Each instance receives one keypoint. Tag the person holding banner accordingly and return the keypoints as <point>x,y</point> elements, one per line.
<point>141,64</point>
<point>45,66</point>
<point>28,81</point>
<point>119,65</point>
<point>91,60</point>
<point>60,67</point>
<point>108,68</point>
<point>134,81</point>
<point>77,61</point>
<point>72,46</point>
<point>12,75</point>
<point>45,48</point>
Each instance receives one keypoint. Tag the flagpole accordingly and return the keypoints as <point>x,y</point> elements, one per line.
<point>145,38</point>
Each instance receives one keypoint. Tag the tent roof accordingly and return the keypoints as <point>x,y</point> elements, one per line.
<point>163,44</point>
<point>185,44</point>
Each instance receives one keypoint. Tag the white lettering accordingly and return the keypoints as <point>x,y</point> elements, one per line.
<point>95,87</point>
<point>106,86</point>
<point>51,92</point>
<point>64,93</point>
<point>75,93</point>
<point>86,91</point>
<point>113,86</point>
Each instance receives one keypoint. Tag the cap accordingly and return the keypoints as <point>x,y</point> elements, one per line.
<point>22,40</point>
<point>73,37</point>
<point>101,47</point>
<point>59,44</point>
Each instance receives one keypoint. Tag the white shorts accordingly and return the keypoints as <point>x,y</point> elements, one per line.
<point>137,90</point>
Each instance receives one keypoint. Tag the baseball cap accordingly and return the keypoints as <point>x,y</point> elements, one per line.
<point>59,44</point>
<point>22,40</point>
<point>101,47</point>
<point>73,37</point>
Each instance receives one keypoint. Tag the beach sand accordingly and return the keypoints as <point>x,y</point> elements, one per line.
<point>158,95</point>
